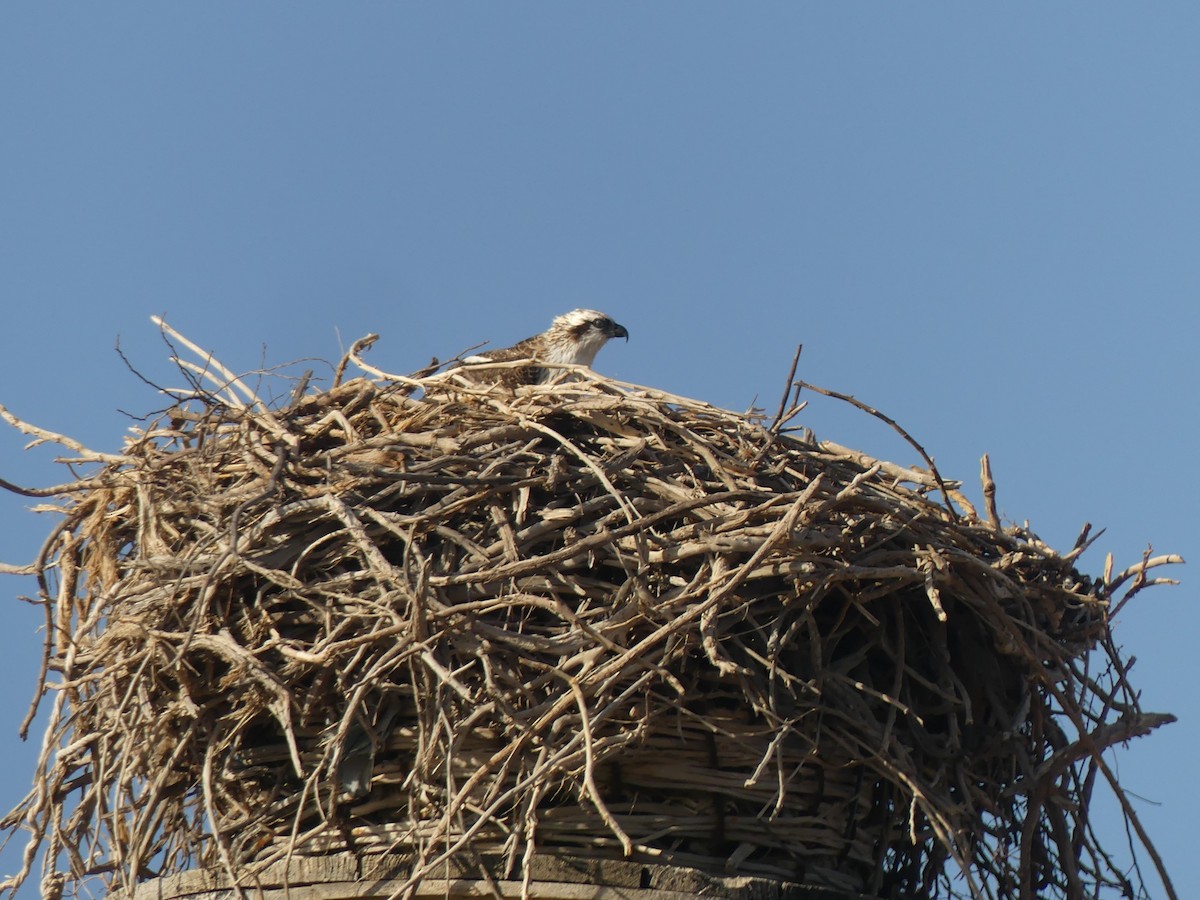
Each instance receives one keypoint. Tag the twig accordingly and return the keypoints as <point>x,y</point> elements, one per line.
<point>43,436</point>
<point>897,428</point>
<point>356,349</point>
<point>989,491</point>
<point>783,414</point>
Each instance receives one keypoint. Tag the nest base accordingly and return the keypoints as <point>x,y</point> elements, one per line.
<point>551,877</point>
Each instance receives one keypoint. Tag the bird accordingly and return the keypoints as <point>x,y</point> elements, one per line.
<point>573,338</point>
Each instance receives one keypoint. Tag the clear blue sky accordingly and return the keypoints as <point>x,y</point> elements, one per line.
<point>983,220</point>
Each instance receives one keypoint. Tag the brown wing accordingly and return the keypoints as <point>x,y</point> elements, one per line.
<point>526,349</point>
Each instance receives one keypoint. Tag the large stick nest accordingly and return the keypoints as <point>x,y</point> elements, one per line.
<point>585,618</point>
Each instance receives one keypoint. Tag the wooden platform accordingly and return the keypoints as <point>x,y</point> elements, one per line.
<point>343,876</point>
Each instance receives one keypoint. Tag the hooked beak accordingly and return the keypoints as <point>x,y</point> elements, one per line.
<point>618,331</point>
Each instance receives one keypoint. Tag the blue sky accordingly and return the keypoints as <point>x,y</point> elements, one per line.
<point>983,221</point>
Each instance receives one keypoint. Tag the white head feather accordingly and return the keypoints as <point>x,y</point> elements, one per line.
<point>576,337</point>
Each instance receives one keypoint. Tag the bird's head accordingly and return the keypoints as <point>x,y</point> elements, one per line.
<point>577,336</point>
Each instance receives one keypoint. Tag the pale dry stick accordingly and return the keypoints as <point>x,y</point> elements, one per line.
<point>1067,863</point>
<point>783,414</point>
<point>989,491</point>
<point>1132,818</point>
<point>555,763</point>
<point>899,656</point>
<point>529,823</point>
<point>423,865</point>
<point>332,757</point>
<point>1148,562</point>
<point>514,570</point>
<point>52,636</point>
<point>42,796</point>
<point>352,440</point>
<point>1095,742</point>
<point>43,436</point>
<point>933,470</point>
<point>708,630</point>
<point>214,825</point>
<point>142,834</point>
<point>892,470</point>
<point>942,826</point>
<point>1102,861</point>
<point>275,516</point>
<point>716,596</point>
<point>295,838</point>
<point>643,394</point>
<point>43,669</point>
<point>223,393</point>
<point>927,564</point>
<point>881,696</point>
<point>299,389</point>
<point>589,767</point>
<point>58,490</point>
<point>56,725</point>
<point>591,464</point>
<point>211,584</point>
<point>855,483</point>
<point>232,380</point>
<point>720,471</point>
<point>363,343</point>
<point>1083,542</point>
<point>677,552</point>
<point>370,551</point>
<point>1068,707</point>
<point>563,517</point>
<point>774,751</point>
<point>603,643</point>
<point>223,645</point>
<point>125,756</point>
<point>961,499</point>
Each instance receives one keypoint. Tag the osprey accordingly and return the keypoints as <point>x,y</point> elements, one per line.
<point>573,338</point>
